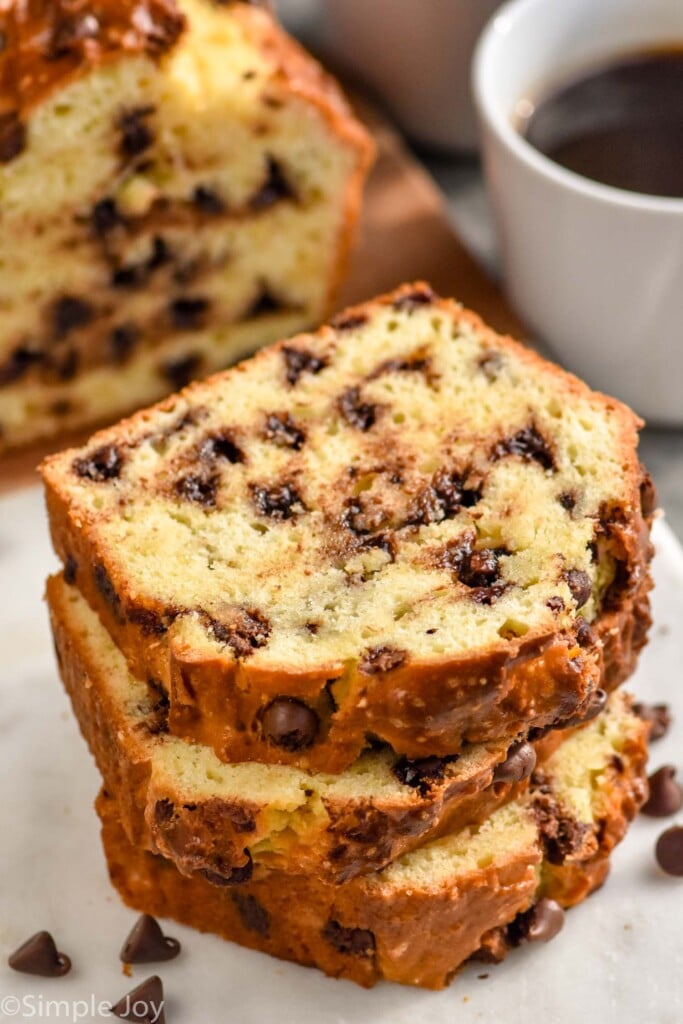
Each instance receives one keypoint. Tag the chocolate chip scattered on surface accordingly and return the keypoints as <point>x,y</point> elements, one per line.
<point>669,851</point>
<point>39,955</point>
<point>147,943</point>
<point>666,795</point>
<point>144,1004</point>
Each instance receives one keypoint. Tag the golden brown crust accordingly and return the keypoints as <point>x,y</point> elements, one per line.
<point>568,883</point>
<point>345,931</point>
<point>352,837</point>
<point>364,931</point>
<point>47,43</point>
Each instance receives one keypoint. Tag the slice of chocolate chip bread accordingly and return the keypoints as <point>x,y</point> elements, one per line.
<point>179,183</point>
<point>483,888</point>
<point>223,820</point>
<point>402,527</point>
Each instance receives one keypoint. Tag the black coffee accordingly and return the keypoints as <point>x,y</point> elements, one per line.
<point>621,124</point>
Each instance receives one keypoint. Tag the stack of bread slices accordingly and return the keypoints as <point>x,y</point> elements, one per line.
<point>344,626</point>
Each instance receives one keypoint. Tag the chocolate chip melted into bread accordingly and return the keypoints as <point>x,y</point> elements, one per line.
<point>400,480</point>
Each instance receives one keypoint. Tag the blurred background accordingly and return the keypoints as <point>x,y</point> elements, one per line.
<point>445,138</point>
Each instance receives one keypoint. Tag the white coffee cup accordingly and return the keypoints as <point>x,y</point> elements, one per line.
<point>595,271</point>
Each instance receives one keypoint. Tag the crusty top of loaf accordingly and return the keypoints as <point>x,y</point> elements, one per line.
<point>46,41</point>
<point>44,44</point>
<point>402,487</point>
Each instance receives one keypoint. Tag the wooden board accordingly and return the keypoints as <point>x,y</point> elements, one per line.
<point>404,235</point>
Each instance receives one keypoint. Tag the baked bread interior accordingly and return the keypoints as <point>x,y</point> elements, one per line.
<point>403,527</point>
<point>179,185</point>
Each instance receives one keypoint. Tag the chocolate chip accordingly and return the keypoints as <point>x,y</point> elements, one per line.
<point>246,632</point>
<point>659,716</point>
<point>539,924</point>
<point>648,495</point>
<point>61,407</point>
<point>385,542</point>
<point>66,367</point>
<point>223,876</point>
<point>596,706</point>
<point>348,321</point>
<point>201,490</point>
<point>107,589</point>
<point>189,314</point>
<point>208,201</point>
<point>39,955</point>
<point>518,765</point>
<point>563,836</point>
<point>123,340</point>
<point>69,313</point>
<point>220,445</point>
<point>669,851</point>
<point>69,32</point>
<point>442,499</point>
<point>568,500</point>
<point>12,136</point>
<point>105,216</point>
<point>129,276</point>
<point>147,943</point>
<point>580,586</point>
<point>585,634</point>
<point>351,941</point>
<point>264,304</point>
<point>142,1005</point>
<point>280,502</point>
<point>382,659</point>
<point>102,464</point>
<point>282,430</point>
<point>666,796</point>
<point>274,189</point>
<point>478,569</point>
<point>136,135</point>
<point>159,24</point>
<point>299,361</point>
<point>19,363</point>
<point>290,724</point>
<point>529,444</point>
<point>70,570</point>
<point>164,812</point>
<point>417,363</point>
<point>151,623</point>
<point>357,413</point>
<point>179,372</point>
<point>133,275</point>
<point>253,914</point>
<point>421,296</point>
<point>423,772</point>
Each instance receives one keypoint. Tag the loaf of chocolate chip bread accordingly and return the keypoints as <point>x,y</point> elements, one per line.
<point>223,820</point>
<point>179,186</point>
<point>402,527</point>
<point>419,919</point>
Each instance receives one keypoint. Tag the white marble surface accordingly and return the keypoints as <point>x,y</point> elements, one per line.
<point>619,959</point>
